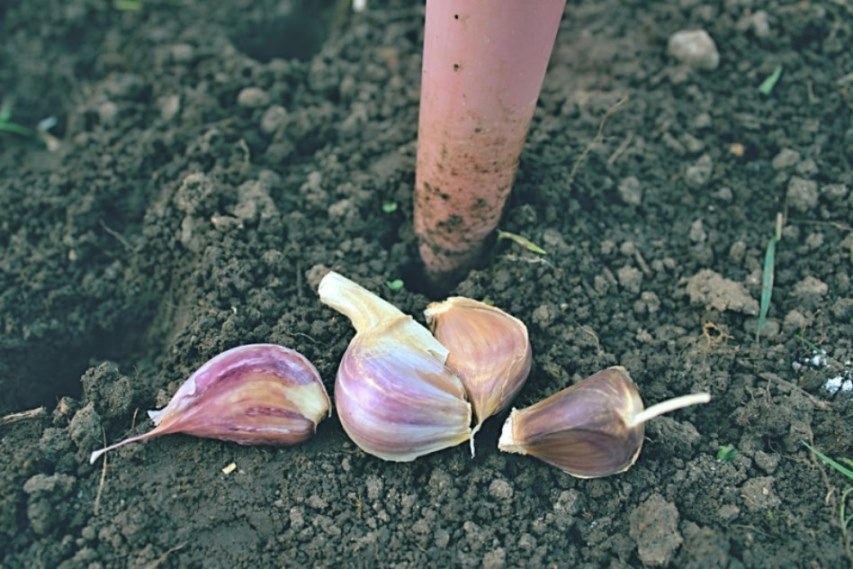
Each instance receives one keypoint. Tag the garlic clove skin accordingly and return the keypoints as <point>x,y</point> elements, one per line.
<point>395,396</point>
<point>489,351</point>
<point>396,402</point>
<point>591,429</point>
<point>581,429</point>
<point>252,395</point>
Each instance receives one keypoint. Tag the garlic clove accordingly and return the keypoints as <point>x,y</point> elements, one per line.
<point>489,351</point>
<point>254,394</point>
<point>395,396</point>
<point>591,429</point>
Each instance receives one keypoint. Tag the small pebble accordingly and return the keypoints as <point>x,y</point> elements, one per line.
<point>807,167</point>
<point>695,48</point>
<point>169,106</point>
<point>758,494</point>
<point>252,98</point>
<point>182,53</point>
<point>501,489</point>
<point>654,527</point>
<point>297,520</point>
<point>835,192</point>
<point>766,462</point>
<point>697,232</point>
<point>568,503</point>
<point>630,278</point>
<point>648,303</point>
<point>628,248</point>
<point>787,158</point>
<point>728,512</point>
<point>374,487</point>
<point>737,251</point>
<point>758,23</point>
<point>795,321</point>
<point>692,144</point>
<point>702,120</point>
<point>814,240</point>
<point>274,118</point>
<point>543,316</point>
<point>724,194</point>
<point>630,190</point>
<point>316,502</point>
<point>712,290</point>
<point>698,174</point>
<point>802,194</point>
<point>810,287</point>
<point>495,559</point>
<point>771,327</point>
<point>554,241</point>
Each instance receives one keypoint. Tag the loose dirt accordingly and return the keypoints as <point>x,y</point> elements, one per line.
<point>214,157</point>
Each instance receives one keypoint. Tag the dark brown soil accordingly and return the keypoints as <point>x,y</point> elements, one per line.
<point>214,156</point>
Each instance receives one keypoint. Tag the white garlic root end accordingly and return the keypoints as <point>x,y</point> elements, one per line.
<point>507,442</point>
<point>667,407</point>
<point>474,431</point>
<point>97,454</point>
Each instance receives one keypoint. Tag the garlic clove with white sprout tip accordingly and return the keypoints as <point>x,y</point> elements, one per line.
<point>591,429</point>
<point>395,396</point>
<point>257,394</point>
<point>489,351</point>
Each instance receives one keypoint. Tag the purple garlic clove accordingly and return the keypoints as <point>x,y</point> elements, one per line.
<point>592,429</point>
<point>489,351</point>
<point>395,396</point>
<point>258,394</point>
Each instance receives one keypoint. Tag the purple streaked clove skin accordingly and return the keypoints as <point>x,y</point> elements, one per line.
<point>395,396</point>
<point>258,394</point>
<point>591,429</point>
<point>489,351</point>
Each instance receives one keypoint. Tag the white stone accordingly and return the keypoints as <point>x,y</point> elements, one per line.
<point>695,48</point>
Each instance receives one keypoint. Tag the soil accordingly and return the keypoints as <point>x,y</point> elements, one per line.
<point>212,160</point>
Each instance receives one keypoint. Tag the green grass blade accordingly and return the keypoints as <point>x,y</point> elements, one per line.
<point>14,128</point>
<point>767,283</point>
<point>837,466</point>
<point>768,84</point>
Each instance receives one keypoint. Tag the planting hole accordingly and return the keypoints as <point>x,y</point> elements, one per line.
<point>44,371</point>
<point>298,33</point>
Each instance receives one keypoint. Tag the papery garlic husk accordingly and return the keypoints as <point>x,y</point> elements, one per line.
<point>592,429</point>
<point>252,395</point>
<point>489,351</point>
<point>395,396</point>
